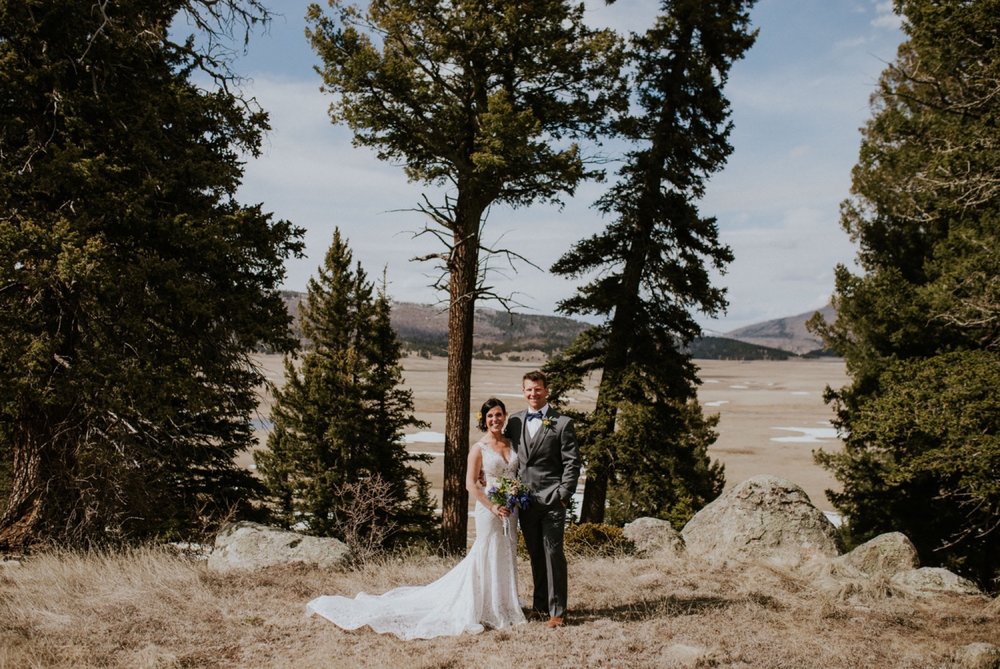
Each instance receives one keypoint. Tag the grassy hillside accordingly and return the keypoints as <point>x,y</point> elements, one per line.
<point>150,608</point>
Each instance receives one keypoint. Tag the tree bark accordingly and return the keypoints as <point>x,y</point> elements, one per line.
<point>23,508</point>
<point>595,491</point>
<point>616,361</point>
<point>463,275</point>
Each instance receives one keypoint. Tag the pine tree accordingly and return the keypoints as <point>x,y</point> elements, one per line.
<point>133,286</point>
<point>647,439</point>
<point>392,405</point>
<point>483,98</point>
<point>925,213</point>
<point>340,416</point>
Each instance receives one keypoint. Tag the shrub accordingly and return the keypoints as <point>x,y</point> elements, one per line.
<point>597,539</point>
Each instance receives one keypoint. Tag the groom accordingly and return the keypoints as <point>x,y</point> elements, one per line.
<point>549,459</point>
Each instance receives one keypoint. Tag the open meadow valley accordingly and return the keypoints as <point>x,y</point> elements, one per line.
<point>772,413</point>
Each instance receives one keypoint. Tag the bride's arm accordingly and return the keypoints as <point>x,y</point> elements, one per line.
<point>473,467</point>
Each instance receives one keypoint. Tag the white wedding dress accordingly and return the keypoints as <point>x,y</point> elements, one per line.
<point>479,592</point>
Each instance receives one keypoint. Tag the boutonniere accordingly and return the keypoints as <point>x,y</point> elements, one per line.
<point>548,423</point>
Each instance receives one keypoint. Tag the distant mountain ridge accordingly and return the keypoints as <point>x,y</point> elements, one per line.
<point>423,329</point>
<point>789,333</point>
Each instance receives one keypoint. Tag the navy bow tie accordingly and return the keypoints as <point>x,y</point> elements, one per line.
<point>537,414</point>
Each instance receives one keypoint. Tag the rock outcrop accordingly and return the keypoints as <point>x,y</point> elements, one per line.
<point>654,537</point>
<point>250,546</point>
<point>932,580</point>
<point>887,554</point>
<point>763,519</point>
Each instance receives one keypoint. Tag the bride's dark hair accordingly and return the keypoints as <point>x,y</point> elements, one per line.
<point>485,409</point>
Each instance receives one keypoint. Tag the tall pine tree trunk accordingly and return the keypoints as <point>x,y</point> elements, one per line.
<point>600,467</point>
<point>600,463</point>
<point>463,274</point>
<point>23,511</point>
<point>683,116</point>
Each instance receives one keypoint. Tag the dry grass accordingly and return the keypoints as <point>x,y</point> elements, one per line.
<point>153,608</point>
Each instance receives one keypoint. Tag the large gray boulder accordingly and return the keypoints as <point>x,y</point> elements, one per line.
<point>887,554</point>
<point>654,537</point>
<point>763,519</point>
<point>250,546</point>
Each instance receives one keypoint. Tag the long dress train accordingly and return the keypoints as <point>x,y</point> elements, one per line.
<point>480,591</point>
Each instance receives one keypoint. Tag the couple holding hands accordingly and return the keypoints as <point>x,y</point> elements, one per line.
<point>536,446</point>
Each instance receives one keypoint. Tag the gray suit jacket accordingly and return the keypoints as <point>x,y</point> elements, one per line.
<point>549,462</point>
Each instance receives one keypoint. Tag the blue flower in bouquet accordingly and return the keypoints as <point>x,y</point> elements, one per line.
<point>509,493</point>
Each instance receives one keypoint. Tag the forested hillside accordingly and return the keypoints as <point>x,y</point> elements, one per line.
<point>423,329</point>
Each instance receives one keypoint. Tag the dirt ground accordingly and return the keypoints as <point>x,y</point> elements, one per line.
<point>772,412</point>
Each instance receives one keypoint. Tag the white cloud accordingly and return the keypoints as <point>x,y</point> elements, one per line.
<point>850,43</point>
<point>626,16</point>
<point>800,151</point>
<point>885,18</point>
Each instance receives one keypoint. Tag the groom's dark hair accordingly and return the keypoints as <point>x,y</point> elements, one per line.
<point>487,405</point>
<point>536,376</point>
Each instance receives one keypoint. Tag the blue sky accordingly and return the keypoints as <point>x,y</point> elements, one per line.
<point>798,100</point>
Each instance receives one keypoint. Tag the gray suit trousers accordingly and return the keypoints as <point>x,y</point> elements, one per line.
<point>542,527</point>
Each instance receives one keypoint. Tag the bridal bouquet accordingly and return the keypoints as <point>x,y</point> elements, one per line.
<point>509,493</point>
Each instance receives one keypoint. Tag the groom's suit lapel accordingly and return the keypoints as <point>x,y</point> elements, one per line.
<point>532,443</point>
<point>526,439</point>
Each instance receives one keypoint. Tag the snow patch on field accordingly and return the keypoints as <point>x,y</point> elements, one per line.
<point>807,435</point>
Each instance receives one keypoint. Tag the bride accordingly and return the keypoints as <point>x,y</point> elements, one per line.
<point>481,590</point>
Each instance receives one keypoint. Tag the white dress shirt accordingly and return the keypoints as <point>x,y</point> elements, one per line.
<point>535,422</point>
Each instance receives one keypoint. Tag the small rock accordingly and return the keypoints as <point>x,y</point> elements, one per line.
<point>654,536</point>
<point>935,580</point>
<point>6,563</point>
<point>977,656</point>
<point>682,655</point>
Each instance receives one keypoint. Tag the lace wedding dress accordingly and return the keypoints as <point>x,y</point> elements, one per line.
<point>480,591</point>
